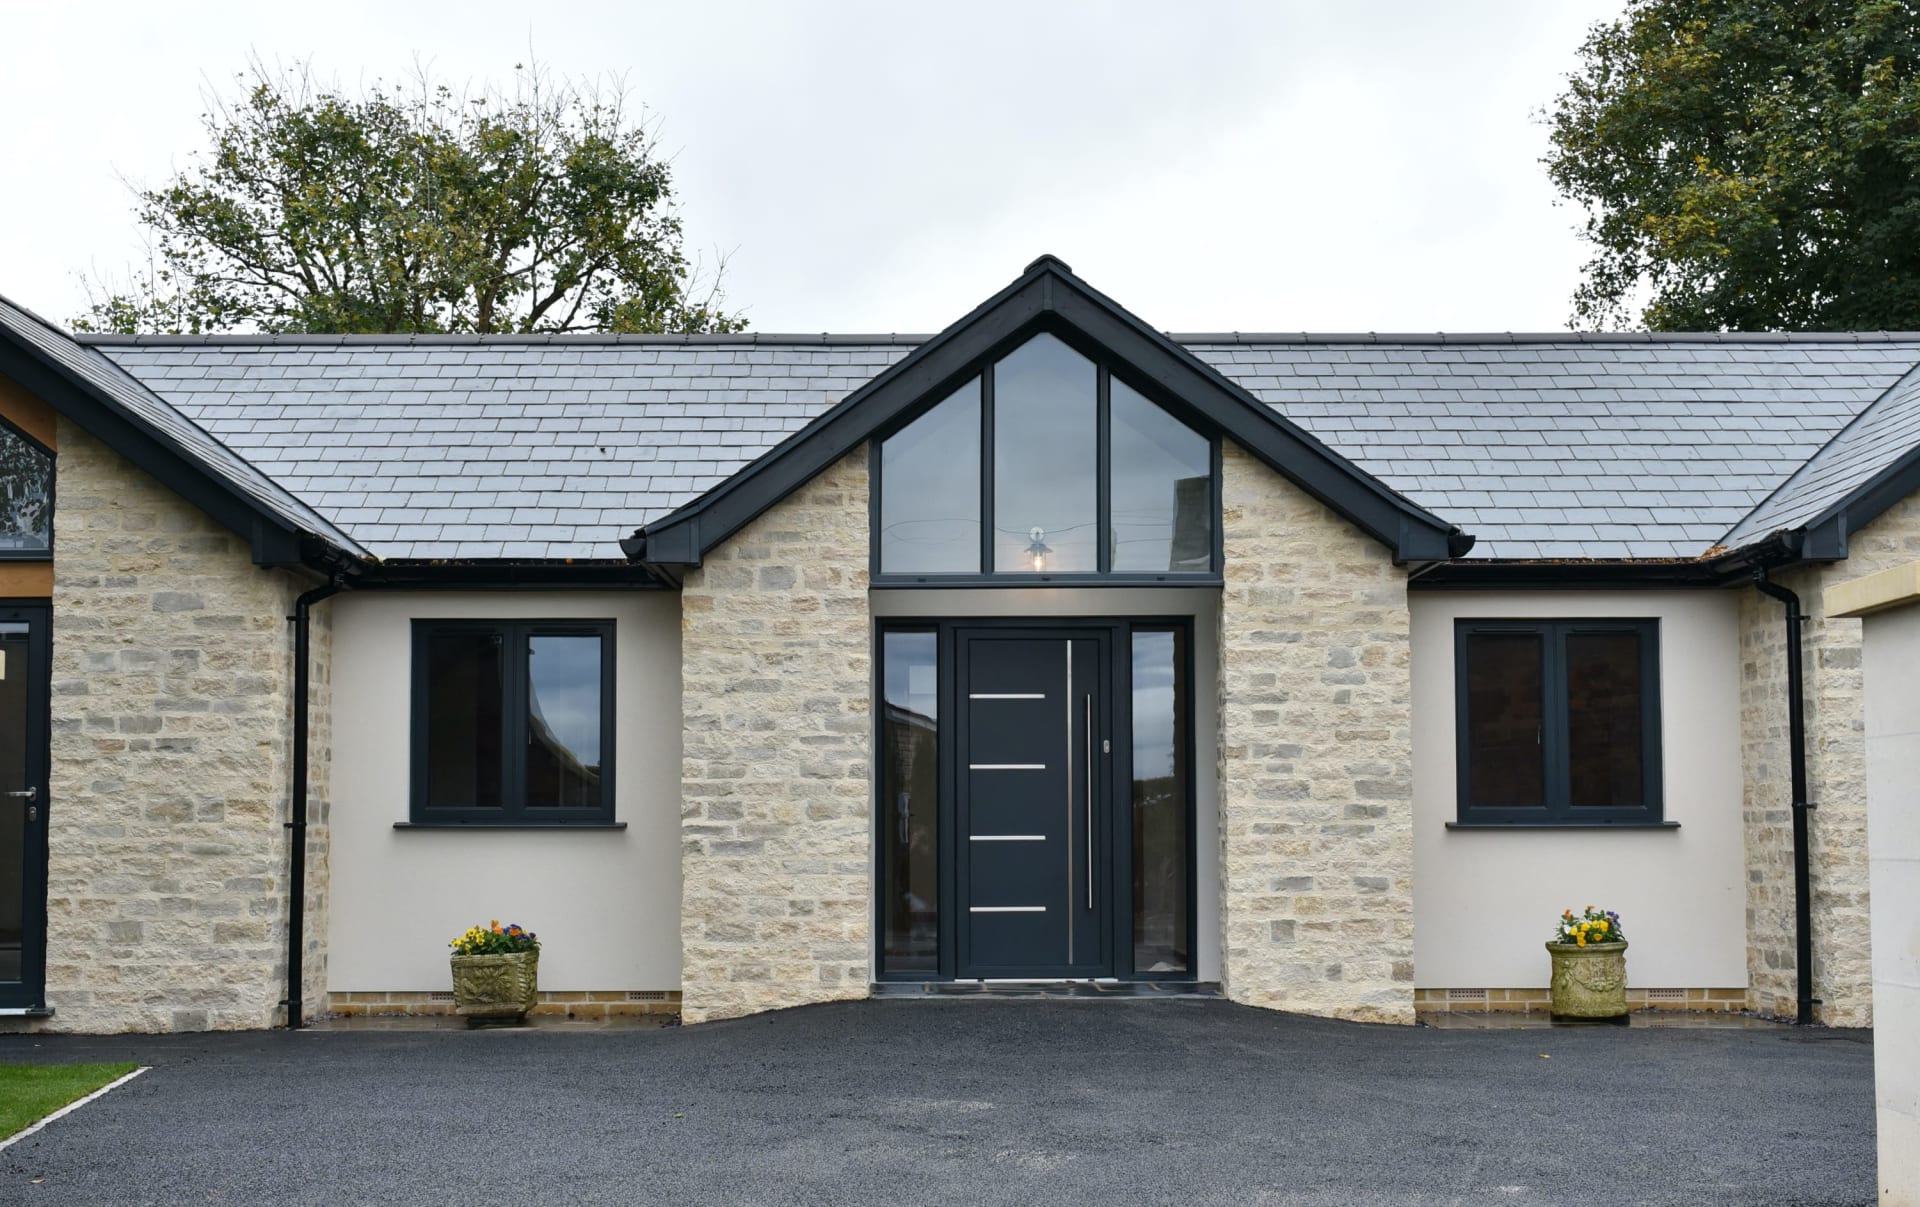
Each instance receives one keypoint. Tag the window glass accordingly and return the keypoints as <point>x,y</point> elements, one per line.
<point>1604,719</point>
<point>26,494</point>
<point>563,722</point>
<point>930,494</point>
<point>1504,720</point>
<point>465,689</point>
<point>1160,889</point>
<point>909,785</point>
<point>1045,459</point>
<point>1162,487</point>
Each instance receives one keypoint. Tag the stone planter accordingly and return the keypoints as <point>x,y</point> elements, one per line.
<point>1589,982</point>
<point>496,988</point>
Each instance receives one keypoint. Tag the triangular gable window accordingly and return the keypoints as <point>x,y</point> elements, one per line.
<point>1084,476</point>
<point>26,496</point>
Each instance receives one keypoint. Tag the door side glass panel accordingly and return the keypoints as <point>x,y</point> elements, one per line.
<point>1162,497</point>
<point>1161,893</point>
<point>1505,761</point>
<point>910,801</point>
<point>1604,740</point>
<point>465,697</point>
<point>930,490</point>
<point>1045,459</point>
<point>26,495</point>
<point>563,721</point>
<point>14,702</point>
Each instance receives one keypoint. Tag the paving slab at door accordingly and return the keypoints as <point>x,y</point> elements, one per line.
<point>964,1101</point>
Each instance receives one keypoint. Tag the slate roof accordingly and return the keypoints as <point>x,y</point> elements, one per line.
<point>172,427</point>
<point>1630,446</point>
<point>1877,438</point>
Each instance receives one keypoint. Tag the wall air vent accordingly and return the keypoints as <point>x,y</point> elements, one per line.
<point>1466,995</point>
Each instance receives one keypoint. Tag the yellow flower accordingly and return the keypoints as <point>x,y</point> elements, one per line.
<point>1581,940</point>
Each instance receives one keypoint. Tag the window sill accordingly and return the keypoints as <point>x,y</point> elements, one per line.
<point>509,825</point>
<point>1563,825</point>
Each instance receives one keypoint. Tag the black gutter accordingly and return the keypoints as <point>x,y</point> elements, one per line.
<point>297,824</point>
<point>1797,762</point>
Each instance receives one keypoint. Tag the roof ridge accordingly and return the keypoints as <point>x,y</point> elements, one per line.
<point>907,339</point>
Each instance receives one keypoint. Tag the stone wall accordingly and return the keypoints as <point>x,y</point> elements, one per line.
<point>1836,782</point>
<point>776,845</point>
<point>1316,812</point>
<point>171,702</point>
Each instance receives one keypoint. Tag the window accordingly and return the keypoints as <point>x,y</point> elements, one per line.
<point>1559,722</point>
<point>910,801</point>
<point>26,496</point>
<point>1046,464</point>
<point>512,722</point>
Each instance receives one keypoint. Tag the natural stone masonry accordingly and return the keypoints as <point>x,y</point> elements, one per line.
<point>776,845</point>
<point>1316,808</point>
<point>166,898</point>
<point>1836,782</point>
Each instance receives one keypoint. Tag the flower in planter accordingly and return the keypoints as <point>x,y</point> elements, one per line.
<point>1590,926</point>
<point>495,940</point>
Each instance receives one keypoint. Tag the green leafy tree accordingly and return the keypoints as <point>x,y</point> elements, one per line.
<point>1747,164</point>
<point>414,209</point>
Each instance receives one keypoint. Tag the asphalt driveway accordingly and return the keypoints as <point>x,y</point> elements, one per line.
<point>966,1101</point>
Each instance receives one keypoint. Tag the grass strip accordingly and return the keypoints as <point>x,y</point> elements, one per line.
<point>29,1093</point>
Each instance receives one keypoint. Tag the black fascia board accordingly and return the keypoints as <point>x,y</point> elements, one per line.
<point>1048,294</point>
<point>531,575</point>
<point>1828,532</point>
<point>272,541</point>
<point>1732,568</point>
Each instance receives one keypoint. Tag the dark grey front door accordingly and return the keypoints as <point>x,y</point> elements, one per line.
<point>23,805</point>
<point>1031,812</point>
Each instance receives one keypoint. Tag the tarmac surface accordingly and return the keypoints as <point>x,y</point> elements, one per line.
<point>966,1101</point>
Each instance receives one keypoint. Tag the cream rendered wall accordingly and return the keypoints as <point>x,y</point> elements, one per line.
<point>606,903</point>
<point>1202,604</point>
<point>1892,654</point>
<point>1484,900</point>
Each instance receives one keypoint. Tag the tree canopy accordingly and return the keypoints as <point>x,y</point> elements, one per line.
<point>414,209</point>
<point>1747,164</point>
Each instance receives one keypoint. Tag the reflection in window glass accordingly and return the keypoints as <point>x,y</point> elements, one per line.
<point>464,696</point>
<point>26,494</point>
<point>1160,857</point>
<point>14,649</point>
<point>563,722</point>
<point>1162,497</point>
<point>1603,719</point>
<point>1505,763</point>
<point>930,490</point>
<point>1045,458</point>
<point>910,802</point>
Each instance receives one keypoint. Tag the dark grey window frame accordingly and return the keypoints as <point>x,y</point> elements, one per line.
<point>513,811</point>
<point>1103,575</point>
<point>53,487</point>
<point>1557,811</point>
<point>1117,720</point>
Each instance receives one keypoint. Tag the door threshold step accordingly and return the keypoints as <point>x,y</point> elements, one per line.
<point>26,1011</point>
<point>1046,989</point>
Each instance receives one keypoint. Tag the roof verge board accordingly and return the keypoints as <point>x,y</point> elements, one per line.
<point>1048,296</point>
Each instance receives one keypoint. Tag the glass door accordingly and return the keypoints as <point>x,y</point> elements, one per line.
<point>23,805</point>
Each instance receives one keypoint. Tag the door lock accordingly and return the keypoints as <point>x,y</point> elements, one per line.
<point>33,812</point>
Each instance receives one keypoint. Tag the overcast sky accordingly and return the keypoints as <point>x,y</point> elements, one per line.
<point>882,167</point>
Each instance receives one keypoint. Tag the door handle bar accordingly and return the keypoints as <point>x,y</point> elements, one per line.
<point>1089,727</point>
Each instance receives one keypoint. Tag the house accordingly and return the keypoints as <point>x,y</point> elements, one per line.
<point>753,670</point>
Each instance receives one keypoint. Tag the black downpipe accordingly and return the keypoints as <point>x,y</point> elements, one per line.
<point>297,823</point>
<point>1797,761</point>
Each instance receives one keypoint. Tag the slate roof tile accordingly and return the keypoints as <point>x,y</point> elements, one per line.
<point>1635,447</point>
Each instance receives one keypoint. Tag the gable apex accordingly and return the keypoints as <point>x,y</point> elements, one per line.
<point>1048,296</point>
